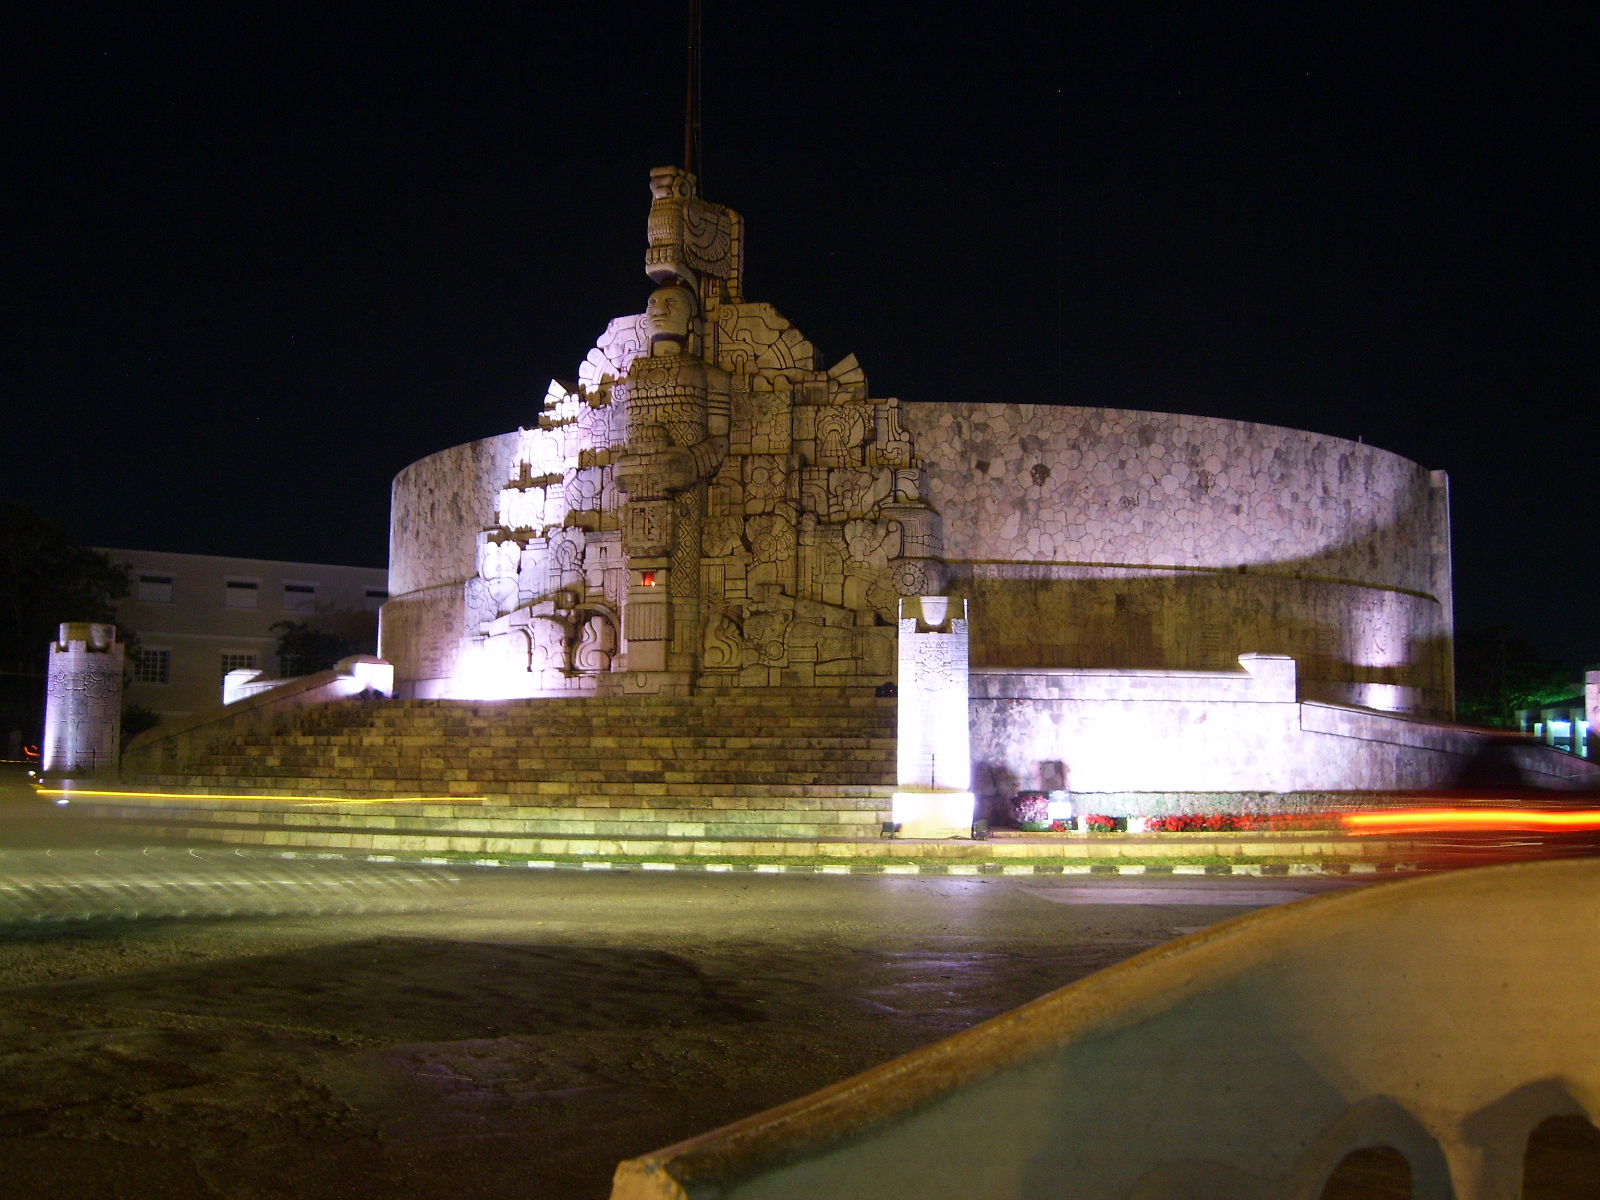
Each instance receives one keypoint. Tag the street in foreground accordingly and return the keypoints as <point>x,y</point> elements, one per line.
<point>487,1033</point>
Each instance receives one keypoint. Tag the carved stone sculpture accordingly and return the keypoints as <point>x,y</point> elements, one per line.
<point>705,505</point>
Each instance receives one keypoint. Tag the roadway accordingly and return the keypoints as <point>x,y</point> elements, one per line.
<point>180,1023</point>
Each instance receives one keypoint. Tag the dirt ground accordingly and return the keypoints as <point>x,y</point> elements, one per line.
<point>513,1034</point>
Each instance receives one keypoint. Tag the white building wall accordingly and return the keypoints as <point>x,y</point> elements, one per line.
<point>198,618</point>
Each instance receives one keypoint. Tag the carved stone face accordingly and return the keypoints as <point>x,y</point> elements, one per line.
<point>669,183</point>
<point>667,319</point>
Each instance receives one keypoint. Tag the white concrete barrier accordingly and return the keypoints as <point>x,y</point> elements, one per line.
<point>1444,1017</point>
<point>1118,732</point>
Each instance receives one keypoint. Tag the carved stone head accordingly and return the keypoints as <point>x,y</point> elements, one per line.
<point>671,183</point>
<point>668,319</point>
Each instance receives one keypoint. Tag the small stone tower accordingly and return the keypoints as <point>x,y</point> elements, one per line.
<point>83,700</point>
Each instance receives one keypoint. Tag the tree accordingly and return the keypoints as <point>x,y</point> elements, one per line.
<point>1497,674</point>
<point>317,643</point>
<point>46,578</point>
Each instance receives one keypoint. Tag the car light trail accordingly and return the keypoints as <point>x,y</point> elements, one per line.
<point>1456,820</point>
<point>124,884</point>
<point>68,793</point>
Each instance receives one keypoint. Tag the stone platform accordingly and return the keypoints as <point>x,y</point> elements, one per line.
<point>800,825</point>
<point>647,752</point>
<point>749,775</point>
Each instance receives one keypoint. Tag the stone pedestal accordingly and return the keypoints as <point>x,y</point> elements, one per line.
<point>83,701</point>
<point>934,797</point>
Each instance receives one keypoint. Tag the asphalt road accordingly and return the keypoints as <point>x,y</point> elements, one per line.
<point>357,1029</point>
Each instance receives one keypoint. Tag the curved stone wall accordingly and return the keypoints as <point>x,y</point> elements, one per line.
<point>1089,537</point>
<point>437,507</point>
<point>1044,483</point>
<point>1094,537</point>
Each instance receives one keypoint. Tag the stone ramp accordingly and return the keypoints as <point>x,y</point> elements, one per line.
<point>609,752</point>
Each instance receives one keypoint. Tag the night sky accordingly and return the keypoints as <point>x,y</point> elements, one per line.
<point>256,262</point>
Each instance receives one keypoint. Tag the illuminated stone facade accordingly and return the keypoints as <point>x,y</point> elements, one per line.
<point>707,505</point>
<point>83,700</point>
<point>710,503</point>
<point>1095,537</point>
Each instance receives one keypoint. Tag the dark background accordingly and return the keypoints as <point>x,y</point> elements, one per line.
<point>256,261</point>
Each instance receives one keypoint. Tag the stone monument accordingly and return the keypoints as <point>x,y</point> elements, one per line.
<point>934,751</point>
<point>83,700</point>
<point>711,507</point>
<point>706,506</point>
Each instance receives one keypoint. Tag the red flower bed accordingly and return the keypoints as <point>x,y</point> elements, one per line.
<point>1237,823</point>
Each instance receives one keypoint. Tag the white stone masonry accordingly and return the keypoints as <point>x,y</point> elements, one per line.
<point>934,776</point>
<point>83,700</point>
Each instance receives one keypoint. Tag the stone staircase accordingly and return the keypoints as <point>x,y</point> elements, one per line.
<point>533,776</point>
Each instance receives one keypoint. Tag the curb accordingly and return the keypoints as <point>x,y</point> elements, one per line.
<point>1276,870</point>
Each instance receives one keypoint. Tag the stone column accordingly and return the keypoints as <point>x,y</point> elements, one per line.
<point>83,700</point>
<point>934,796</point>
<point>1591,711</point>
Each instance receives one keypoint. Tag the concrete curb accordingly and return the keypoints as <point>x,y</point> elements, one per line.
<point>1274,870</point>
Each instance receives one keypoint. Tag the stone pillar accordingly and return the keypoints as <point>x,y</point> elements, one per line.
<point>83,701</point>
<point>934,794</point>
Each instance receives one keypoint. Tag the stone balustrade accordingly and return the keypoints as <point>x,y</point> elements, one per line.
<point>1446,1018</point>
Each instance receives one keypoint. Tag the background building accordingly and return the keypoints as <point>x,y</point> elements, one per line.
<point>1562,723</point>
<point>199,617</point>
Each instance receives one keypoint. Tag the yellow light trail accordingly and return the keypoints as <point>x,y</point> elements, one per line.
<point>1454,820</point>
<point>70,792</point>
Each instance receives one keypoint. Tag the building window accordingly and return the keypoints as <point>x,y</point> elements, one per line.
<point>375,598</point>
<point>242,593</point>
<point>155,589</point>
<point>153,666</point>
<point>299,597</point>
<point>237,662</point>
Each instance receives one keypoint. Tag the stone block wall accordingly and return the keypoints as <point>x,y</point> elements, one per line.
<point>437,507</point>
<point>1090,537</point>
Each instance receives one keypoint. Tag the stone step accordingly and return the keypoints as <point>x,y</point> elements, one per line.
<point>800,797</point>
<point>839,760</point>
<point>378,775</point>
<point>469,784</point>
<point>721,733</point>
<point>818,727</point>
<point>762,699</point>
<point>566,823</point>
<point>535,753</point>
<point>677,743</point>
<point>777,718</point>
<point>383,748</point>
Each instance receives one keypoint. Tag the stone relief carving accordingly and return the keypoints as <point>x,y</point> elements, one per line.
<point>705,499</point>
<point>689,236</point>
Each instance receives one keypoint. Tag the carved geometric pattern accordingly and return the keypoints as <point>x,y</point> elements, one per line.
<point>712,440</point>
